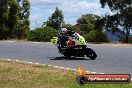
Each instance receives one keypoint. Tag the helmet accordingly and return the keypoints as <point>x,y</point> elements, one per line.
<point>63,32</point>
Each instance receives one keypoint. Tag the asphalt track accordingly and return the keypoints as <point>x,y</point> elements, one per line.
<point>111,59</point>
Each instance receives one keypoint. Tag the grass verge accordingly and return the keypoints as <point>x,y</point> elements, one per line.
<point>22,75</point>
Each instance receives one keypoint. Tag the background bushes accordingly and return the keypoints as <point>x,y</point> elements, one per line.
<point>95,36</point>
<point>41,34</point>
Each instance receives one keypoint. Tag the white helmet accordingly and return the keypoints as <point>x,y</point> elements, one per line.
<point>63,30</point>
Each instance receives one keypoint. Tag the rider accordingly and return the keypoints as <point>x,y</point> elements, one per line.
<point>63,36</point>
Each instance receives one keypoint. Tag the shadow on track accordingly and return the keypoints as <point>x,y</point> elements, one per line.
<point>64,58</point>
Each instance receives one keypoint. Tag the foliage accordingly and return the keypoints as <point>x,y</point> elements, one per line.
<point>130,39</point>
<point>121,18</point>
<point>56,20</point>
<point>41,34</point>
<point>14,18</point>
<point>87,22</point>
<point>3,32</point>
<point>88,27</point>
<point>48,29</point>
<point>3,19</point>
<point>122,39</point>
<point>69,27</point>
<point>24,22</point>
<point>95,36</point>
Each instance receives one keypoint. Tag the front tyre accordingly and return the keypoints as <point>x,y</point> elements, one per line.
<point>91,53</point>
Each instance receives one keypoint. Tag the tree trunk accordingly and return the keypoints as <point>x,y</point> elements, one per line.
<point>127,35</point>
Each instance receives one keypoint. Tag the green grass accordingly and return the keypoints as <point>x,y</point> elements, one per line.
<point>22,75</point>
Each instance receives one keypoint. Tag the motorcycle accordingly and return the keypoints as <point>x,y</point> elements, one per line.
<point>75,46</point>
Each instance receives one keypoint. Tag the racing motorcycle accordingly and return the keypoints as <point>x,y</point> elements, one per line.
<point>75,46</point>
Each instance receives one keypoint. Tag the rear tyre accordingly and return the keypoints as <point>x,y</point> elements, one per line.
<point>68,56</point>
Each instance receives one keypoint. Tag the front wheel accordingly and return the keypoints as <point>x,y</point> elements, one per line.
<point>91,53</point>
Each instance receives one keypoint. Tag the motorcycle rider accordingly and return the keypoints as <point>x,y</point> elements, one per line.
<point>63,36</point>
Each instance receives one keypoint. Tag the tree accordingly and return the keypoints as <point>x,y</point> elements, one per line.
<point>24,22</point>
<point>56,20</point>
<point>69,27</point>
<point>13,17</point>
<point>95,36</point>
<point>87,22</point>
<point>48,23</point>
<point>122,19</point>
<point>87,26</point>
<point>3,19</point>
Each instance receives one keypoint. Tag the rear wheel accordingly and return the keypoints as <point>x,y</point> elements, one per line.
<point>68,56</point>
